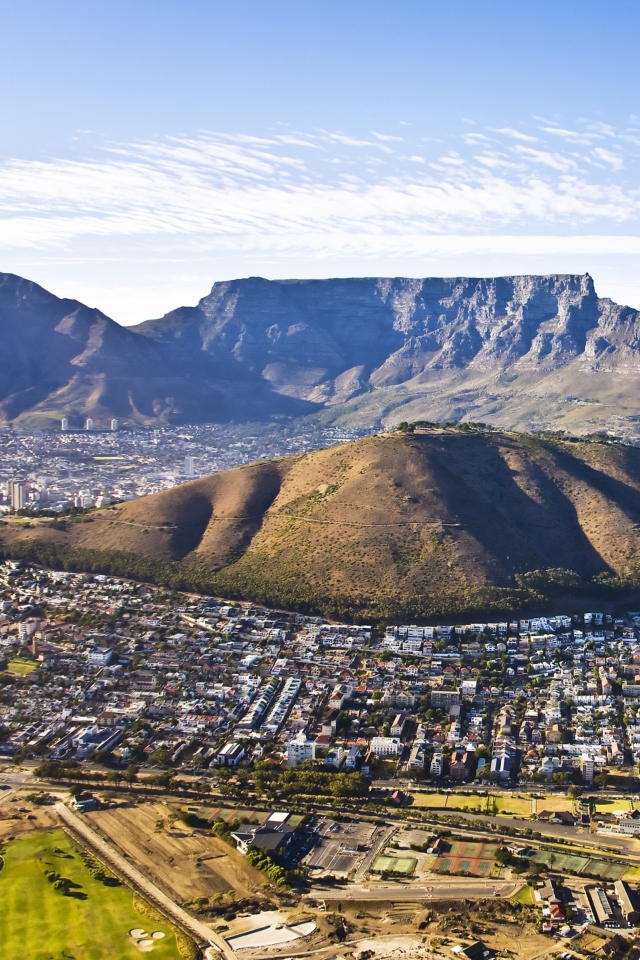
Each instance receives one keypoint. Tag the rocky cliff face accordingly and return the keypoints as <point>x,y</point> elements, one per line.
<point>525,351</point>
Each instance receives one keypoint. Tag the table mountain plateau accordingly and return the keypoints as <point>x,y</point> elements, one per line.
<point>435,521</point>
<point>530,352</point>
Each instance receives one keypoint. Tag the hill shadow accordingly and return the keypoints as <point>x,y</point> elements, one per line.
<point>515,531</point>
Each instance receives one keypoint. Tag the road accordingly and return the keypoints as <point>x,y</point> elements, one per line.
<point>556,831</point>
<point>438,890</point>
<point>198,929</point>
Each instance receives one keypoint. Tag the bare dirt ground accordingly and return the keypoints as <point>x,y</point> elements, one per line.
<point>185,863</point>
<point>15,824</point>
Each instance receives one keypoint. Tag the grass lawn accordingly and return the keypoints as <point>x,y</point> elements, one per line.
<point>525,896</point>
<point>428,799</point>
<point>40,923</point>
<point>451,801</point>
<point>515,806</point>
<point>23,667</point>
<point>554,802</point>
<point>610,806</point>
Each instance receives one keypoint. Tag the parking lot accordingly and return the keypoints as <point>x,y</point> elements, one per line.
<point>338,846</point>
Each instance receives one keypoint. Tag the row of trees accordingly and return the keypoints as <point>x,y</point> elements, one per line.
<point>272,781</point>
<point>289,589</point>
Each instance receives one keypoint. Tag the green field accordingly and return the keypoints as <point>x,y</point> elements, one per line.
<point>475,803</point>
<point>21,666</point>
<point>525,896</point>
<point>91,923</point>
<point>403,866</point>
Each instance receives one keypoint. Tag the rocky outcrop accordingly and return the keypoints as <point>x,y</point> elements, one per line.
<point>526,351</point>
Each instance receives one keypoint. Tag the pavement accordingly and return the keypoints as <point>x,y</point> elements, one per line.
<point>459,889</point>
<point>198,929</point>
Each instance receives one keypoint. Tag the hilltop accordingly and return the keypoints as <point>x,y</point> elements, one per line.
<point>429,522</point>
<point>527,353</point>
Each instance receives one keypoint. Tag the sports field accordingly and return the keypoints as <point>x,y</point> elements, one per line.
<point>475,803</point>
<point>604,869</point>
<point>466,857</point>
<point>94,922</point>
<point>402,866</point>
<point>20,666</point>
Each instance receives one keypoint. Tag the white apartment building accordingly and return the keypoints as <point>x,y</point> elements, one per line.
<point>300,749</point>
<point>385,746</point>
<point>437,765</point>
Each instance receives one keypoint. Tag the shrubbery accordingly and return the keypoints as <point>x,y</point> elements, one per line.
<point>261,861</point>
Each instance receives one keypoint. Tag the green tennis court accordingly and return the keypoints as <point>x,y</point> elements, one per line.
<point>403,866</point>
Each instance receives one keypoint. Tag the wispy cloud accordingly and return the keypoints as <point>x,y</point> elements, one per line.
<point>323,193</point>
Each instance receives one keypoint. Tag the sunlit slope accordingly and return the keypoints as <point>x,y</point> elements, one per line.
<point>395,515</point>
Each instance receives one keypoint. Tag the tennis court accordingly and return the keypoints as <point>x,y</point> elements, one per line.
<point>403,866</point>
<point>461,856</point>
<point>580,865</point>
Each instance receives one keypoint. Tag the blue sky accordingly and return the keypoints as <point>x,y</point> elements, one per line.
<point>148,148</point>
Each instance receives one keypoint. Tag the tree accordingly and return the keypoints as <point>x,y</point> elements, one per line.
<point>575,792</point>
<point>131,773</point>
<point>601,779</point>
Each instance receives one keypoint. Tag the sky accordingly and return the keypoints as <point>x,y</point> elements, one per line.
<point>151,148</point>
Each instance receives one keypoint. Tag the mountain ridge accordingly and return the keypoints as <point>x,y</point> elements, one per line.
<point>523,352</point>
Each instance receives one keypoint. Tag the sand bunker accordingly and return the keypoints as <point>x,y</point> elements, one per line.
<point>157,935</point>
<point>137,933</point>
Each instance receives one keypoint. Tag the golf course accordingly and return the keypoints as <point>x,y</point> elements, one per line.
<point>55,905</point>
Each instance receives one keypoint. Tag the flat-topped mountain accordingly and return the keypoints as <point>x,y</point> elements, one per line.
<point>433,520</point>
<point>527,352</point>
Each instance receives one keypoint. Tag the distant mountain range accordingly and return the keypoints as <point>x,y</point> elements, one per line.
<point>439,522</point>
<point>530,352</point>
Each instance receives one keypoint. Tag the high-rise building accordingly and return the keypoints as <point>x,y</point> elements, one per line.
<point>586,768</point>
<point>64,423</point>
<point>89,424</point>
<point>115,425</point>
<point>17,493</point>
<point>189,466</point>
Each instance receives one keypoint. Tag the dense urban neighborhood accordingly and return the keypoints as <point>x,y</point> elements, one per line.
<point>133,673</point>
<point>428,764</point>
<point>65,468</point>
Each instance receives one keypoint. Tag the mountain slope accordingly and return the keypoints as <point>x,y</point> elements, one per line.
<point>381,521</point>
<point>521,352</point>
<point>62,358</point>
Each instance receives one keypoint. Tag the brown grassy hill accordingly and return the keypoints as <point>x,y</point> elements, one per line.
<point>388,522</point>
